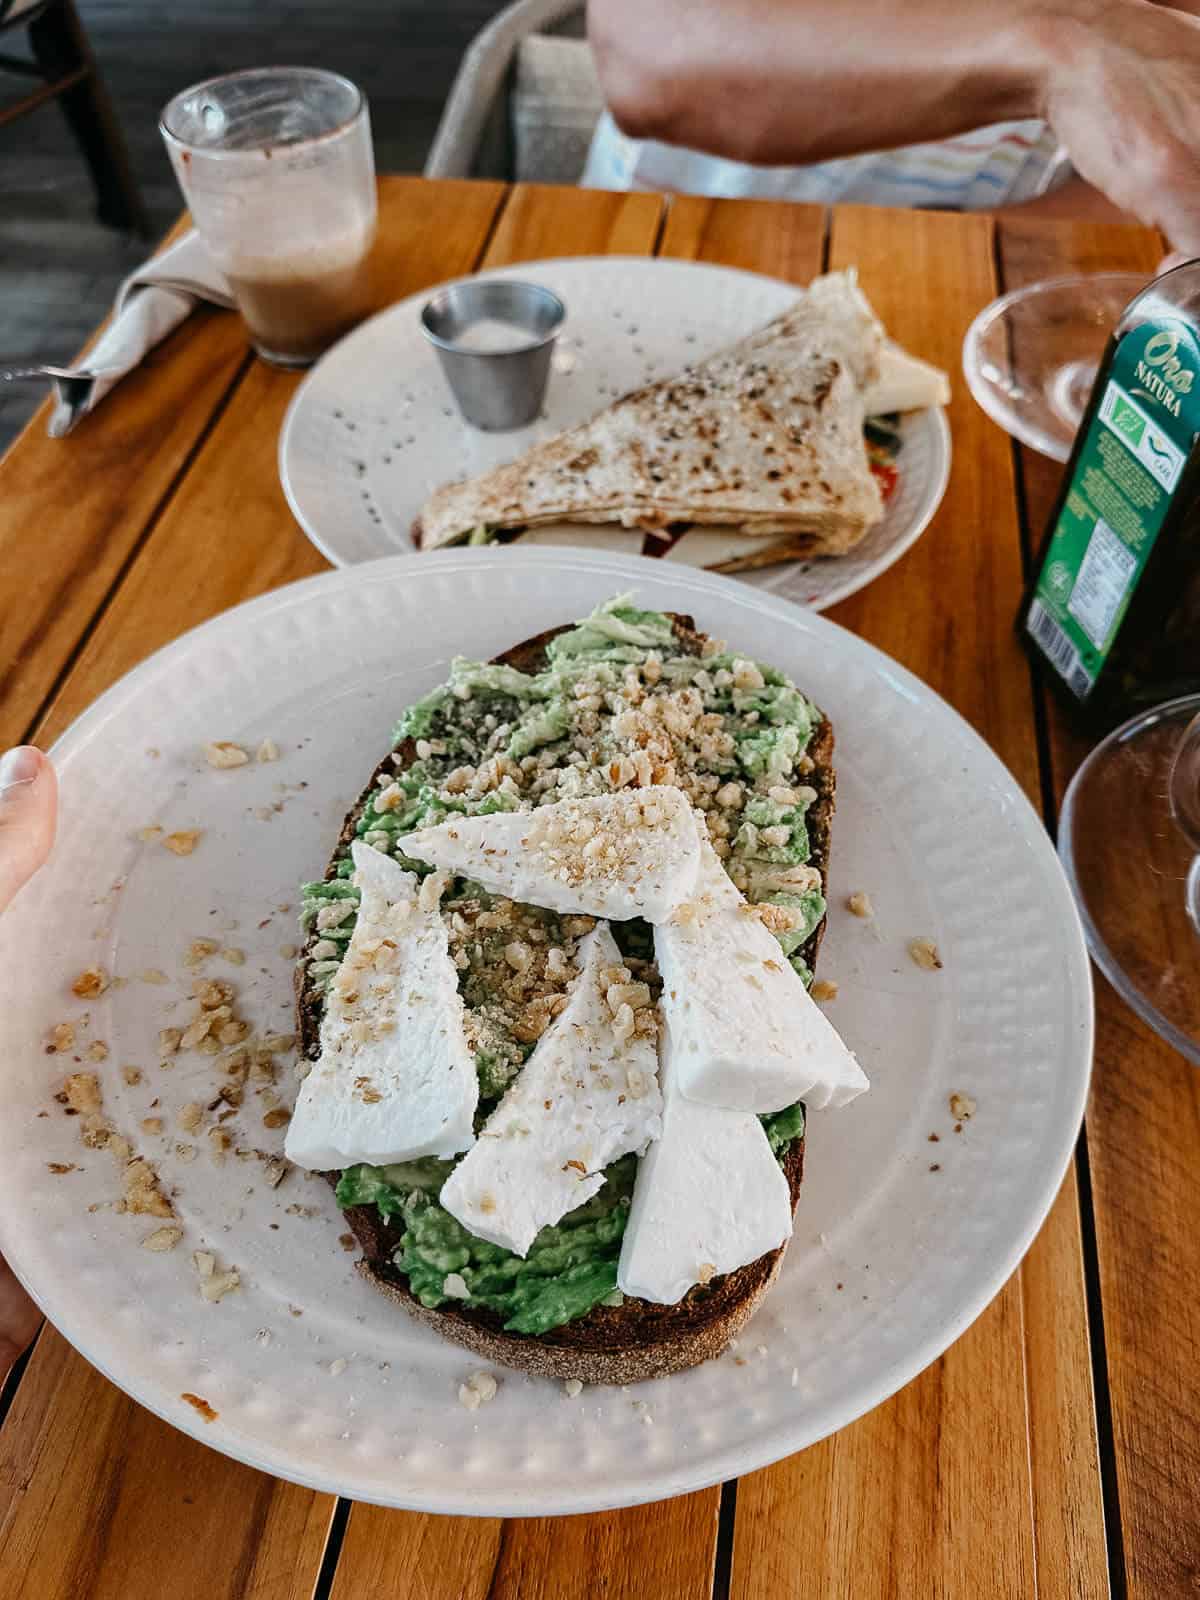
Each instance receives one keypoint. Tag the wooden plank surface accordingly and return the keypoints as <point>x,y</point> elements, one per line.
<point>1143,1123</point>
<point>666,1549</point>
<point>99,1500</point>
<point>937,1491</point>
<point>73,510</point>
<point>226,534</point>
<point>981,1476</point>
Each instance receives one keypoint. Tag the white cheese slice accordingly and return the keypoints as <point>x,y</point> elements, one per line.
<point>396,1078</point>
<point>905,383</point>
<point>709,1198</point>
<point>710,547</point>
<point>592,536</point>
<point>634,853</point>
<point>744,1031</point>
<point>587,1095</point>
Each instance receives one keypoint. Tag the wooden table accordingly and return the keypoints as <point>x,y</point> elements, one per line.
<point>1055,1449</point>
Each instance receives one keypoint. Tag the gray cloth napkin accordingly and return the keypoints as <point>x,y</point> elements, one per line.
<point>150,304</point>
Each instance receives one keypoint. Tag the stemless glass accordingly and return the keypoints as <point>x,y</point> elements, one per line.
<point>276,167</point>
<point>1129,838</point>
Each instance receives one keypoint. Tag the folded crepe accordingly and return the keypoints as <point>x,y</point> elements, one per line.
<point>765,438</point>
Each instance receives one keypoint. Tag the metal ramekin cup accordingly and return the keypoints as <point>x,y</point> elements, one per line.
<point>495,389</point>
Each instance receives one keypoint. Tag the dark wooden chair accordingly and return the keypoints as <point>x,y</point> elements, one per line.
<point>66,71</point>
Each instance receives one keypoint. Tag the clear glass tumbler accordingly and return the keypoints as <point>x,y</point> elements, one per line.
<point>276,167</point>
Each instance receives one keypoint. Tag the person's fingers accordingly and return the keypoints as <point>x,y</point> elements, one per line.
<point>28,809</point>
<point>1173,258</point>
<point>19,1319</point>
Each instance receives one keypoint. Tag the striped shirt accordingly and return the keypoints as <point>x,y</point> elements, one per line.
<point>993,166</point>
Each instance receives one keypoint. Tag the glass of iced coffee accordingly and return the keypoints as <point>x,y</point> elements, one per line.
<point>276,167</point>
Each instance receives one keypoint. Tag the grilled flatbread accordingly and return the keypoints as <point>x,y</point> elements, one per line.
<point>764,438</point>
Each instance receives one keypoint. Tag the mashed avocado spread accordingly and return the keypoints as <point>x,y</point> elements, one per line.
<point>620,701</point>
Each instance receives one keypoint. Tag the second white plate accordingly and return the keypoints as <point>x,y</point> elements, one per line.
<point>372,430</point>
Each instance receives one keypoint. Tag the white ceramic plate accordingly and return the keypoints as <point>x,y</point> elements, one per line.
<point>372,430</point>
<point>890,1260</point>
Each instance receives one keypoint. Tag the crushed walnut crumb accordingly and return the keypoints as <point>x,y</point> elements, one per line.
<point>162,1239</point>
<point>141,1193</point>
<point>90,983</point>
<point>962,1106</point>
<point>824,989</point>
<point>224,753</point>
<point>859,905</point>
<point>198,1403</point>
<point>191,1116</point>
<point>478,1390</point>
<point>924,954</point>
<point>183,841</point>
<point>62,1038</point>
<point>214,1285</point>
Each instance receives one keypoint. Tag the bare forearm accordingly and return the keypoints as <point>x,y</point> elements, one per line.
<point>792,81</point>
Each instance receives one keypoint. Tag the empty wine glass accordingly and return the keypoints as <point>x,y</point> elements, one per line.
<point>1030,358</point>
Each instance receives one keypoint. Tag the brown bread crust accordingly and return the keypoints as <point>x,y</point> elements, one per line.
<point>611,1344</point>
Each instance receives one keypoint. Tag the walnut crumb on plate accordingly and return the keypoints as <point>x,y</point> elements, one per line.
<point>925,954</point>
<point>90,983</point>
<point>213,1284</point>
<point>183,841</point>
<point>201,1405</point>
<point>224,753</point>
<point>479,1389</point>
<point>859,905</point>
<point>162,1239</point>
<point>962,1106</point>
<point>824,989</point>
<point>62,1038</point>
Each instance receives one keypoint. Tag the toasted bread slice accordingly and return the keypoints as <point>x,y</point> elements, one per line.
<point>611,1344</point>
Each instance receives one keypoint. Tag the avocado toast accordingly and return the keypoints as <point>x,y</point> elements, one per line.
<point>624,699</point>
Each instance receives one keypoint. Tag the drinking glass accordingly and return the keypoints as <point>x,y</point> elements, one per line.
<point>1129,838</point>
<point>276,167</point>
<point>1030,358</point>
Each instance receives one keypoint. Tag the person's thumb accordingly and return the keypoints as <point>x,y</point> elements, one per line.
<point>28,808</point>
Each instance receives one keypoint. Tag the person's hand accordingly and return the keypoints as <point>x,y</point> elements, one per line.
<point>28,808</point>
<point>1121,89</point>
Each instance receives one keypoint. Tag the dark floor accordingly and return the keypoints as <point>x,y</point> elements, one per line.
<point>58,266</point>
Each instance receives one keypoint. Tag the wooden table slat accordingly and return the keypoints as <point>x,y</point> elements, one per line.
<point>226,534</point>
<point>98,1498</point>
<point>73,510</point>
<point>936,1491</point>
<point>982,1475</point>
<point>666,1549</point>
<point>1143,1120</point>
